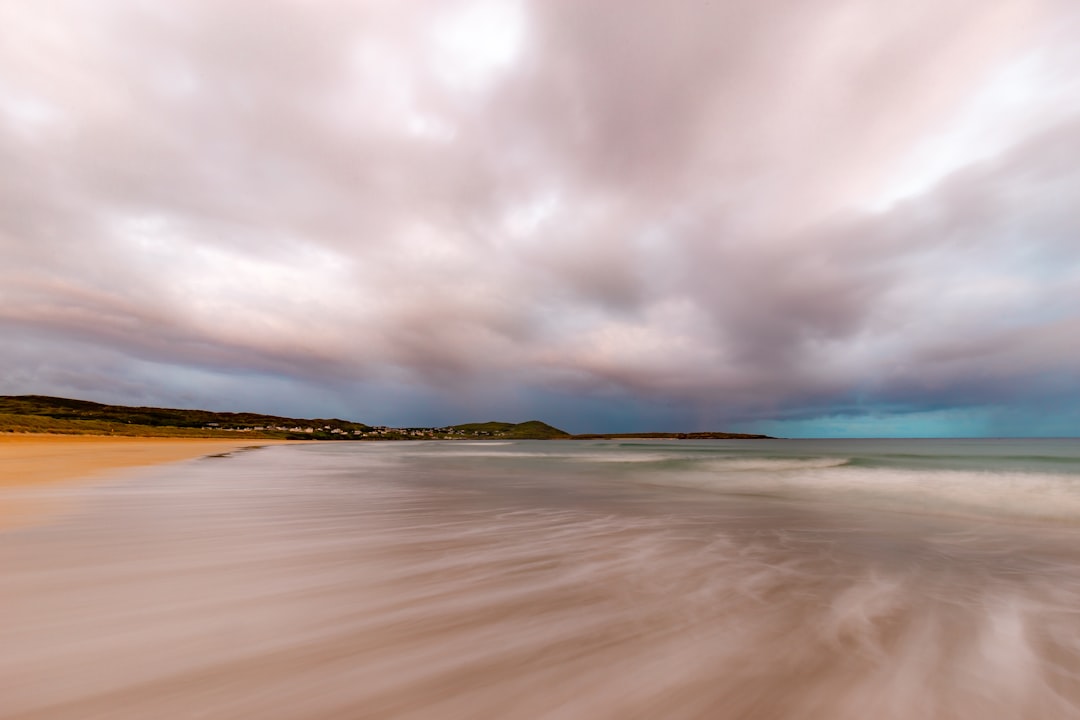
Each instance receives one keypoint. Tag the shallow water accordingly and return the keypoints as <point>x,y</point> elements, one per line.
<point>777,579</point>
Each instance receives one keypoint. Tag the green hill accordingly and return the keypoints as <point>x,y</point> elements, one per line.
<point>529,430</point>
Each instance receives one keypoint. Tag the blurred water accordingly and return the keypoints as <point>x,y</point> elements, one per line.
<point>786,579</point>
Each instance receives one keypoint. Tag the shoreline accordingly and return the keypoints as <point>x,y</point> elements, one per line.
<point>29,461</point>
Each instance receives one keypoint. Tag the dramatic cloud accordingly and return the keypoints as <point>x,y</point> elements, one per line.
<point>814,216</point>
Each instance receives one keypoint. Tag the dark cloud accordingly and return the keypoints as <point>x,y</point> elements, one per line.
<point>681,214</point>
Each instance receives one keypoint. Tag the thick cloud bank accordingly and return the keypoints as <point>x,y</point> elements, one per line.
<point>617,213</point>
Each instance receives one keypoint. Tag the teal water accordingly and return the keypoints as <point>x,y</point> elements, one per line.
<point>675,579</point>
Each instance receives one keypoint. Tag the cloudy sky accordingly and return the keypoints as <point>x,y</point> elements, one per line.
<point>803,217</point>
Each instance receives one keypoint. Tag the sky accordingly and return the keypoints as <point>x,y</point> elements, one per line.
<point>801,217</point>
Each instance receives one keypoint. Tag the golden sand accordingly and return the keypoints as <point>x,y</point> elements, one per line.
<point>29,460</point>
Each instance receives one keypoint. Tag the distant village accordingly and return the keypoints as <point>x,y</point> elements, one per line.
<point>363,432</point>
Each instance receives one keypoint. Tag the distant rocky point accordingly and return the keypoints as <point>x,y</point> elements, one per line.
<point>673,436</point>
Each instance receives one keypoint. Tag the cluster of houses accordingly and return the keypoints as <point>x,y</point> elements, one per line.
<point>443,433</point>
<point>286,428</point>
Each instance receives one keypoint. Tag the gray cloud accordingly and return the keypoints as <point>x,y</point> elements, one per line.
<point>713,213</point>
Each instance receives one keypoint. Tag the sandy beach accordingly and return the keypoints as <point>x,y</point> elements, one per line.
<point>454,581</point>
<point>28,460</point>
<point>528,580</point>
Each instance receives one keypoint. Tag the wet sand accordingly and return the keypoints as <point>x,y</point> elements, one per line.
<point>30,460</point>
<point>316,582</point>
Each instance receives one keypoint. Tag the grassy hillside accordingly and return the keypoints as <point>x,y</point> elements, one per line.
<point>39,413</point>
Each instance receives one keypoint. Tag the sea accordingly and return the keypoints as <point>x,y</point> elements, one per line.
<point>651,579</point>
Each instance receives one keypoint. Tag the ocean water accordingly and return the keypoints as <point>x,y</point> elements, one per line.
<point>635,579</point>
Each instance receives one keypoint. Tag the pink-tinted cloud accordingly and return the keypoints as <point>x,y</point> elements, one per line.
<point>743,210</point>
